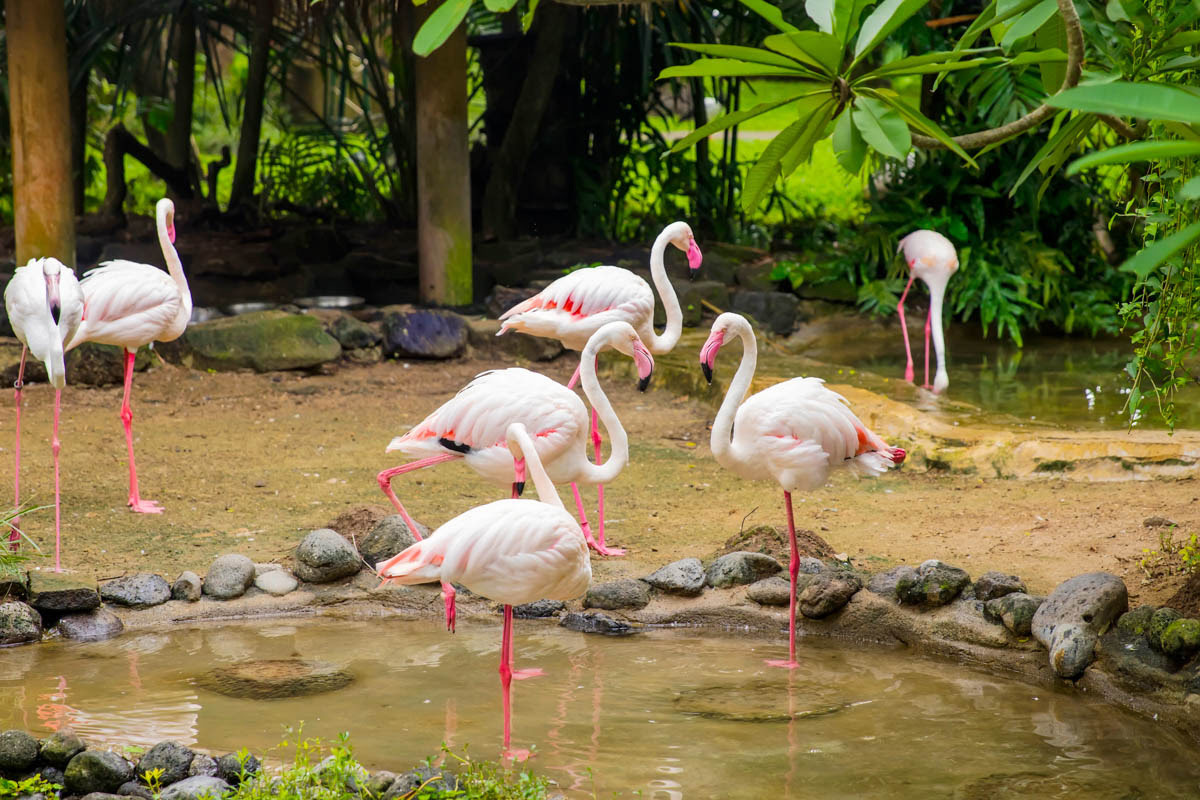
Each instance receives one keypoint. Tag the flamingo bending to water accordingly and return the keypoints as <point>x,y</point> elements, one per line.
<point>574,307</point>
<point>129,304</point>
<point>794,433</point>
<point>932,258</point>
<point>44,305</point>
<point>511,551</point>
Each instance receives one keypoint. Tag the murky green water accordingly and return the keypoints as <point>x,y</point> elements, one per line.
<point>669,714</point>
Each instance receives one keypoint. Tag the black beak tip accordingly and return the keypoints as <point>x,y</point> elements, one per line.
<point>55,312</point>
<point>520,487</point>
<point>707,371</point>
<point>643,383</point>
<point>692,274</point>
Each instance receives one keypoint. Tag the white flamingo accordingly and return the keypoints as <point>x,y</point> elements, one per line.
<point>932,258</point>
<point>44,305</point>
<point>511,551</point>
<point>794,433</point>
<point>129,305</point>
<point>577,305</point>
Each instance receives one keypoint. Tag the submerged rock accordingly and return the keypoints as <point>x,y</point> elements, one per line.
<point>90,626</point>
<point>1014,611</point>
<point>684,577</point>
<point>265,679</point>
<point>96,771</point>
<point>171,757</point>
<point>19,623</point>
<point>142,590</point>
<point>1071,620</point>
<point>991,585</point>
<point>18,752</point>
<point>424,333</point>
<point>623,593</point>
<point>739,568</point>
<point>595,622</point>
<point>61,594</point>
<point>827,593</point>
<point>538,609</point>
<point>187,586</point>
<point>229,576</point>
<point>325,556</point>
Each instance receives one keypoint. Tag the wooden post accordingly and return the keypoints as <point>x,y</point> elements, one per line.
<point>39,110</point>
<point>443,171</point>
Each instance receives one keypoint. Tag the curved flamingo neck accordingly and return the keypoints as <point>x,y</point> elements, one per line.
<point>722,431</point>
<point>619,455</point>
<point>937,293</point>
<point>533,466</point>
<point>658,273</point>
<point>174,263</point>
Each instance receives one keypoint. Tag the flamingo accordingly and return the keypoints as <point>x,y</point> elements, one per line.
<point>577,305</point>
<point>129,305</point>
<point>44,305</point>
<point>472,425</point>
<point>511,551</point>
<point>794,433</point>
<point>932,258</point>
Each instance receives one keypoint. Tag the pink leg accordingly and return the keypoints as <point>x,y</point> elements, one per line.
<point>55,447</point>
<point>908,367</point>
<point>574,379</point>
<point>793,571</point>
<point>520,674</point>
<point>583,523</point>
<point>135,499</point>
<point>14,538</point>
<point>608,551</point>
<point>928,331</point>
<point>506,676</point>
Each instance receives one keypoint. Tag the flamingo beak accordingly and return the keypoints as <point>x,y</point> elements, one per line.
<point>708,353</point>
<point>694,258</point>
<point>898,455</point>
<point>54,296</point>
<point>645,364</point>
<point>519,474</point>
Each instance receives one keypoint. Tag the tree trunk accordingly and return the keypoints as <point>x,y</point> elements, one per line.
<point>179,135</point>
<point>443,171</point>
<point>256,90</point>
<point>39,111</point>
<point>504,183</point>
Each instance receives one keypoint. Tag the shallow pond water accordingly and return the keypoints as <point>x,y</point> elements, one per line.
<point>667,713</point>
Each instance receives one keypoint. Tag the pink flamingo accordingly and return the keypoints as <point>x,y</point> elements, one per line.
<point>44,304</point>
<point>511,551</point>
<point>794,433</point>
<point>932,258</point>
<point>577,305</point>
<point>129,304</point>
<point>472,426</point>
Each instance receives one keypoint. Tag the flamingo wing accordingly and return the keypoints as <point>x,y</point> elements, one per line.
<point>583,300</point>
<point>28,311</point>
<point>127,304</point>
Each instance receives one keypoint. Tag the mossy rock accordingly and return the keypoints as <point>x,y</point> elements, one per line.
<point>263,341</point>
<point>1160,620</point>
<point>1181,639</point>
<point>267,679</point>
<point>1135,622</point>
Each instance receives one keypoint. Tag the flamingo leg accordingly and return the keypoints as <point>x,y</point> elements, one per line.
<point>583,524</point>
<point>520,674</point>
<point>506,678</point>
<point>14,538</point>
<point>55,447</point>
<point>908,366</point>
<point>574,379</point>
<point>928,331</point>
<point>793,571</point>
<point>135,499</point>
<point>602,547</point>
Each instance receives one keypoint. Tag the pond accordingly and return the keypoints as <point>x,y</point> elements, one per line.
<point>667,713</point>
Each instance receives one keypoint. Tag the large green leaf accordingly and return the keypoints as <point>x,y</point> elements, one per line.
<point>754,54</point>
<point>1147,259</point>
<point>941,56</point>
<point>1054,150</point>
<point>820,50</point>
<point>991,14</point>
<point>837,17</point>
<point>738,117</point>
<point>1190,190</point>
<point>726,68</point>
<point>801,151</point>
<point>499,6</point>
<point>882,127</point>
<point>887,16</point>
<point>1146,100</point>
<point>439,26</point>
<point>848,145</point>
<point>820,12</point>
<point>1052,35</point>
<point>930,69</point>
<point>766,169</point>
<point>1029,23</point>
<point>1134,151</point>
<point>770,13</point>
<point>1179,41</point>
<point>916,119</point>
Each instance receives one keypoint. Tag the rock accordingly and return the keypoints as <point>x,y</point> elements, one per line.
<point>353,334</point>
<point>424,333</point>
<point>739,568</point>
<point>623,593</point>
<point>232,767</point>
<point>482,336</point>
<point>51,774</point>
<point>267,679</point>
<point>229,576</point>
<point>135,789</point>
<point>1014,611</point>
<point>142,590</point>
<point>389,536</point>
<point>171,757</point>
<point>204,765</point>
<point>60,747</point>
<point>683,577</point>
<point>1160,620</point>
<point>827,593</point>
<point>103,796</point>
<point>14,584</point>
<point>936,584</point>
<point>264,341</point>
<point>92,364</point>
<point>364,355</point>
<point>1159,522</point>
<point>1136,622</point>
<point>1181,639</point>
<point>195,788</point>
<point>90,626</point>
<point>19,623</point>
<point>991,585</point>
<point>774,311</point>
<point>1072,647</point>
<point>503,298</point>
<point>57,593</point>
<point>721,259</point>
<point>886,583</point>
<point>276,582</point>
<point>595,622</point>
<point>757,276</point>
<point>263,567</point>
<point>18,752</point>
<point>324,556</point>
<point>437,782</point>
<point>1071,620</point>
<point>538,609</point>
<point>776,591</point>
<point>96,771</point>
<point>187,586</point>
<point>379,782</point>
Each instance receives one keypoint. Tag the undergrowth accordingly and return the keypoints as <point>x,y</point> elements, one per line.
<point>1173,557</point>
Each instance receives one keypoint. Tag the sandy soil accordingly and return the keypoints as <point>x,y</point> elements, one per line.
<point>248,463</point>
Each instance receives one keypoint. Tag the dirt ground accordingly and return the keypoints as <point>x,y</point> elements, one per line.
<point>248,463</point>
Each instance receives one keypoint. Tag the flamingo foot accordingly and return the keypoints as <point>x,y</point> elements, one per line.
<point>137,505</point>
<point>612,552</point>
<point>781,662</point>
<point>516,754</point>
<point>525,674</point>
<point>909,373</point>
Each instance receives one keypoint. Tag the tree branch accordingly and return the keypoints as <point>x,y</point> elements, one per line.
<point>1119,127</point>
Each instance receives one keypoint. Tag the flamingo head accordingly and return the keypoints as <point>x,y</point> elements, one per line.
<point>165,210</point>
<point>51,272</point>
<point>681,236</point>
<point>708,353</point>
<point>624,339</point>
<point>898,455</point>
<point>644,362</point>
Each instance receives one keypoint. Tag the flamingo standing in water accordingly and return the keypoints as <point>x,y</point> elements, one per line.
<point>932,258</point>
<point>44,305</point>
<point>577,305</point>
<point>473,424</point>
<point>129,304</point>
<point>511,551</point>
<point>794,433</point>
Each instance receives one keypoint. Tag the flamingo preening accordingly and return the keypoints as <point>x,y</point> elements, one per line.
<point>129,305</point>
<point>794,433</point>
<point>578,304</point>
<point>932,258</point>
<point>511,551</point>
<point>44,305</point>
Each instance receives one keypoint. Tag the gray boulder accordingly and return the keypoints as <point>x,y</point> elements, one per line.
<point>60,747</point>
<point>60,594</point>
<point>742,567</point>
<point>195,788</point>
<point>19,623</point>
<point>18,752</point>
<point>827,593</point>
<point>171,757</point>
<point>1072,648</point>
<point>991,585</point>
<point>684,577</point>
<point>136,591</point>
<point>90,626</point>
<point>936,584</point>
<point>623,593</point>
<point>595,622</point>
<point>776,591</point>
<point>434,780</point>
<point>424,333</point>
<point>886,583</point>
<point>204,765</point>
<point>774,311</point>
<point>134,789</point>
<point>187,586</point>
<point>538,609</point>
<point>389,536</point>
<point>229,576</point>
<point>325,556</point>
<point>277,582</point>
<point>379,782</point>
<point>231,767</point>
<point>1014,611</point>
<point>50,774</point>
<point>1071,620</point>
<point>96,771</point>
<point>353,334</point>
<point>264,341</point>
